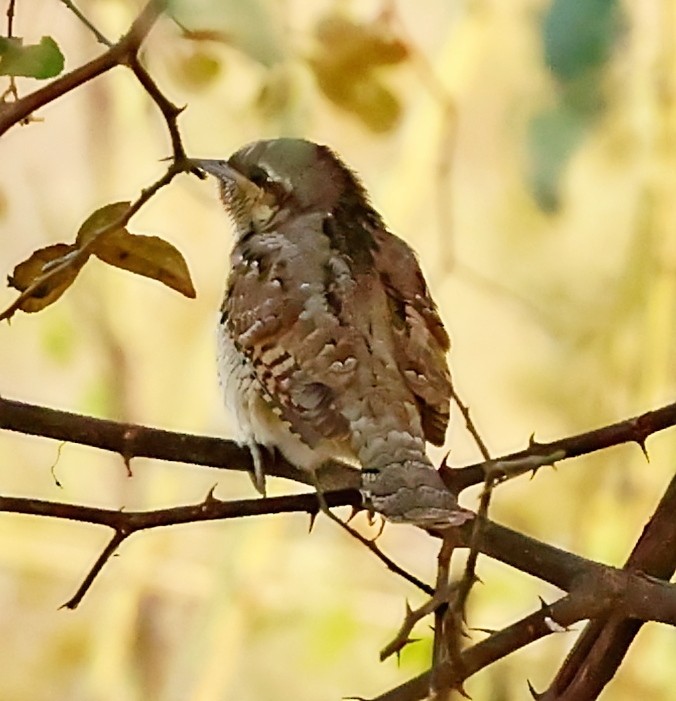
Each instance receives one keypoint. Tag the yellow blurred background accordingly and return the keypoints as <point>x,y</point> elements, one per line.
<point>542,202</point>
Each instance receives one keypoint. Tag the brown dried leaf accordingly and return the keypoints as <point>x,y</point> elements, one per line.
<point>38,265</point>
<point>150,256</point>
<point>99,219</point>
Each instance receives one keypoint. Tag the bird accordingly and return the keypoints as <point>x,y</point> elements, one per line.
<point>329,343</point>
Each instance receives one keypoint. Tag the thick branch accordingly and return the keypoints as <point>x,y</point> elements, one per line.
<point>551,564</point>
<point>634,596</point>
<point>599,651</point>
<point>132,440</point>
<point>618,606</point>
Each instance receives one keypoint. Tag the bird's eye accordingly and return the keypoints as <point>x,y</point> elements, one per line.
<point>258,176</point>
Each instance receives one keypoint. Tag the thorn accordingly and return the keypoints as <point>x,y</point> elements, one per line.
<point>531,440</point>
<point>210,498</point>
<point>409,610</point>
<point>535,694</point>
<point>127,464</point>
<point>641,445</point>
<point>461,690</point>
<point>444,462</point>
<point>488,631</point>
<point>353,513</point>
<point>380,529</point>
<point>543,604</point>
<point>313,518</point>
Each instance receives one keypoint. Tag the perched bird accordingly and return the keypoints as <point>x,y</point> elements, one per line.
<point>330,345</point>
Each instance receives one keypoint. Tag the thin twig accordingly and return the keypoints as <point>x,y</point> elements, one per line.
<point>87,23</point>
<point>77,257</point>
<point>101,560</point>
<point>16,112</point>
<point>170,112</point>
<point>10,18</point>
<point>469,577</point>
<point>388,562</point>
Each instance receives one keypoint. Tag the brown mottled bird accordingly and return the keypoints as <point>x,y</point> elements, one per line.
<point>330,345</point>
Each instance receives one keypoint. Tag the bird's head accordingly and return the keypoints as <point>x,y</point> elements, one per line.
<point>266,182</point>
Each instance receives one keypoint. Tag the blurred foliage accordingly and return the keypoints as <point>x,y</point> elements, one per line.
<point>347,58</point>
<point>571,324</point>
<point>578,39</point>
<point>253,27</point>
<point>346,65</point>
<point>197,69</point>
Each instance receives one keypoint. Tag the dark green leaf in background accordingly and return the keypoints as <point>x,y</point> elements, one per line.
<point>578,39</point>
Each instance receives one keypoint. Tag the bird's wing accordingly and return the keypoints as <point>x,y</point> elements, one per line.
<point>277,314</point>
<point>421,342</point>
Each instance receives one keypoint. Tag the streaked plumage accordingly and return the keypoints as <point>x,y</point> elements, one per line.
<point>330,345</point>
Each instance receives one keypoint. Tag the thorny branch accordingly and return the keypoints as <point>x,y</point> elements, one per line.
<point>599,594</point>
<point>565,570</point>
<point>600,649</point>
<point>133,440</point>
<point>608,596</point>
<point>76,11</point>
<point>558,567</point>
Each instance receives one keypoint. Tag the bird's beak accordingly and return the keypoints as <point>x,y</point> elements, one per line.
<point>226,173</point>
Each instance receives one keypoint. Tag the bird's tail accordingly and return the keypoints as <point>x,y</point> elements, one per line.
<point>400,482</point>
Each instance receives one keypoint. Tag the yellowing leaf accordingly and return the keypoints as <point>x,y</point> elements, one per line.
<point>196,70</point>
<point>150,256</point>
<point>99,219</point>
<point>348,63</point>
<point>365,97</point>
<point>39,265</point>
<point>346,42</point>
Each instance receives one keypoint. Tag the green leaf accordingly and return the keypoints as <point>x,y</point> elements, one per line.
<point>43,60</point>
<point>197,70</point>
<point>553,137</point>
<point>579,36</point>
